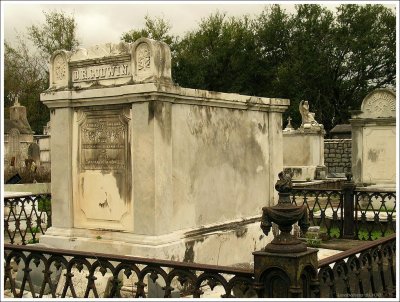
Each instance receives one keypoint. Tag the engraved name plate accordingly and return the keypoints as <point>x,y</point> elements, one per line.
<point>103,143</point>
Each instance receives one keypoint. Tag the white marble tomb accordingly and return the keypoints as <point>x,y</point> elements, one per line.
<point>141,166</point>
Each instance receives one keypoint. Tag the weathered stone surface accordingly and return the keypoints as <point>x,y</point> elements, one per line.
<point>374,139</point>
<point>337,156</point>
<point>303,149</point>
<point>138,162</point>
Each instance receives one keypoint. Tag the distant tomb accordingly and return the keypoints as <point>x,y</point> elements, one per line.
<point>374,139</point>
<point>18,136</point>
<point>141,166</point>
<point>303,148</point>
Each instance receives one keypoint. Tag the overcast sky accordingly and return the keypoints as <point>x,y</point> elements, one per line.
<point>102,22</point>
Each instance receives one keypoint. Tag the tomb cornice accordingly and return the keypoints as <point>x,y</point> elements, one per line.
<point>372,121</point>
<point>164,93</point>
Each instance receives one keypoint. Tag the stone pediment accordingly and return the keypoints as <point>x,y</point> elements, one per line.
<point>380,103</point>
<point>144,61</point>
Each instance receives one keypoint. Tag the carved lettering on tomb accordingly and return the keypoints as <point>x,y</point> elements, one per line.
<point>380,104</point>
<point>101,72</point>
<point>143,57</point>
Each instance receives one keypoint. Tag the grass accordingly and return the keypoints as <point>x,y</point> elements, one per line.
<point>362,233</point>
<point>35,230</point>
<point>44,205</point>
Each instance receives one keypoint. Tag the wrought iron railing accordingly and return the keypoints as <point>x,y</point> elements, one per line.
<point>349,213</point>
<point>374,214</point>
<point>26,217</point>
<point>325,209</point>
<point>63,273</point>
<point>367,271</point>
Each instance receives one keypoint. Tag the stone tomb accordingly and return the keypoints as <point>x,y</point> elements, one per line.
<point>141,166</point>
<point>303,148</point>
<point>374,139</point>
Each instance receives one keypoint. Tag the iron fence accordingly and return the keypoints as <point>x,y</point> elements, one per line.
<point>374,214</point>
<point>77,273</point>
<point>348,212</point>
<point>26,217</point>
<point>325,209</point>
<point>341,213</point>
<point>367,271</point>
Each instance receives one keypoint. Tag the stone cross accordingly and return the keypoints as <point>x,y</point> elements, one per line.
<point>289,125</point>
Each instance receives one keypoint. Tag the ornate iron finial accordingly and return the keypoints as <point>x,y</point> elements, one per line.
<point>284,214</point>
<point>284,183</point>
<point>349,175</point>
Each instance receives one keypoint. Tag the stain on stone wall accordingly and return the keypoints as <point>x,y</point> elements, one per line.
<point>189,252</point>
<point>230,136</point>
<point>161,111</point>
<point>373,154</point>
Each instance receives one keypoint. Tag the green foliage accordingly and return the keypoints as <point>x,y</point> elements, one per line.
<point>219,56</point>
<point>34,230</point>
<point>312,239</point>
<point>58,32</point>
<point>24,74</point>
<point>26,70</point>
<point>44,205</point>
<point>156,29</point>
<point>332,59</point>
<point>33,241</point>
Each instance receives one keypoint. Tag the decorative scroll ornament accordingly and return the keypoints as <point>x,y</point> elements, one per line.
<point>143,57</point>
<point>59,68</point>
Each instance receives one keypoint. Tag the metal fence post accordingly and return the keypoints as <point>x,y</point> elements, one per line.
<point>348,188</point>
<point>285,268</point>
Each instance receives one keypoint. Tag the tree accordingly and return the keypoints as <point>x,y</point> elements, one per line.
<point>58,32</point>
<point>332,59</point>
<point>24,75</point>
<point>305,72</point>
<point>220,56</point>
<point>156,29</point>
<point>25,68</point>
<point>365,54</point>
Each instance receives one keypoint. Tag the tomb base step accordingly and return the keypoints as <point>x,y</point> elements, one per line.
<point>209,245</point>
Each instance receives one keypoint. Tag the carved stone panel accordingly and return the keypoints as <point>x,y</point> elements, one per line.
<point>379,103</point>
<point>143,58</point>
<point>103,169</point>
<point>59,71</point>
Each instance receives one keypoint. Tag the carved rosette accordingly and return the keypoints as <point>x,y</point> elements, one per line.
<point>143,58</point>
<point>59,70</point>
<point>151,61</point>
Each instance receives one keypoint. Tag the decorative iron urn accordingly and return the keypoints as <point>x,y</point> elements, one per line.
<point>285,214</point>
